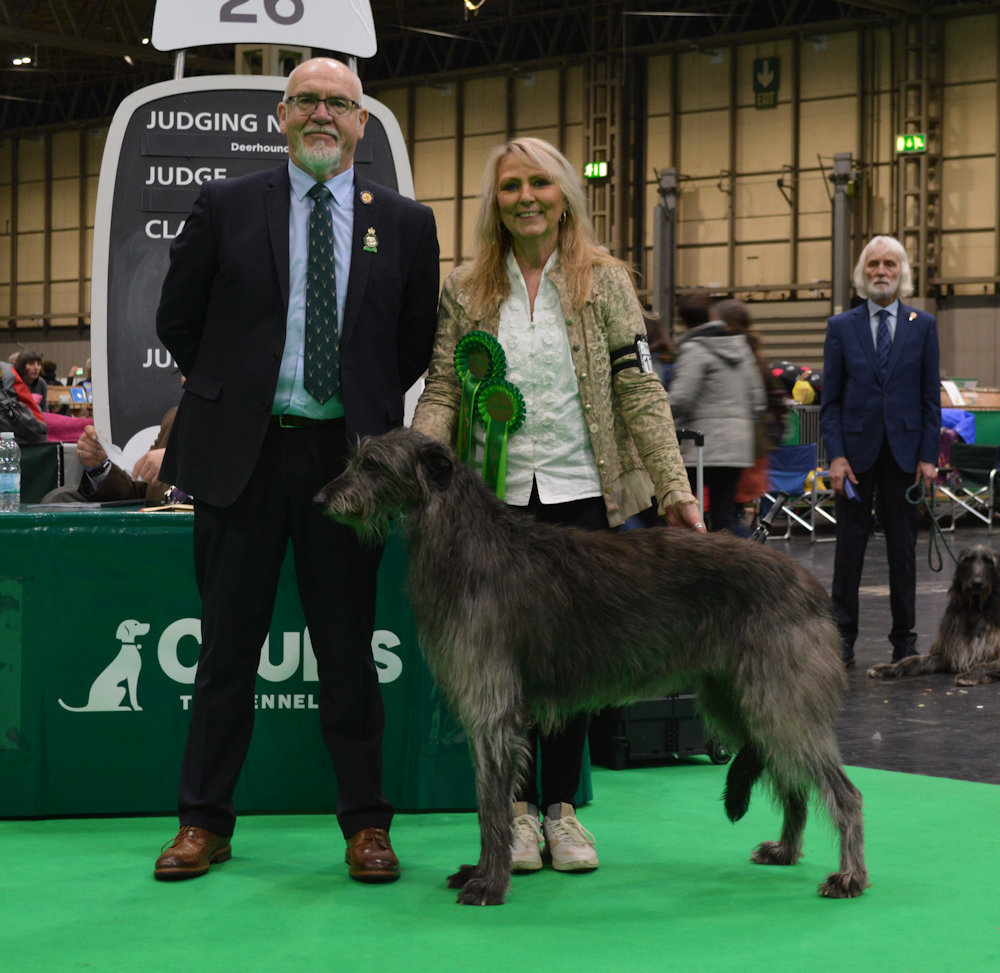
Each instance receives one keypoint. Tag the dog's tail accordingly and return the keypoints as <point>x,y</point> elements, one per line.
<point>744,772</point>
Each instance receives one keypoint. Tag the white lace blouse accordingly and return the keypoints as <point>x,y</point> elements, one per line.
<point>553,445</point>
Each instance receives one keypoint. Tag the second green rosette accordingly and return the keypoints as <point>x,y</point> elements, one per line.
<point>501,407</point>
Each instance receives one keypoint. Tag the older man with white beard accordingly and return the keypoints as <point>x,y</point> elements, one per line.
<point>880,418</point>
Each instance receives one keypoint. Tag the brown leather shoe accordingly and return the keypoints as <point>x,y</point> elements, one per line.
<point>191,853</point>
<point>371,857</point>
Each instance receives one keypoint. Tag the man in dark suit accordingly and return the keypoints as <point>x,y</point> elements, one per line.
<point>881,422</point>
<point>299,326</point>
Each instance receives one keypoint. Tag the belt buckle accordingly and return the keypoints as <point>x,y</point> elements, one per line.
<point>287,425</point>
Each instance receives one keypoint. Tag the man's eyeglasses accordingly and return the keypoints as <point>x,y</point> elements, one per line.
<point>308,103</point>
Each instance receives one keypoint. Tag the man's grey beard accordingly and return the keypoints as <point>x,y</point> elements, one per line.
<point>319,161</point>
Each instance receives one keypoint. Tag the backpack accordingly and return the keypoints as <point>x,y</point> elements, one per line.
<point>18,412</point>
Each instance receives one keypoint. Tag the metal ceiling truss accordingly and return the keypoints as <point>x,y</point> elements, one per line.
<point>88,54</point>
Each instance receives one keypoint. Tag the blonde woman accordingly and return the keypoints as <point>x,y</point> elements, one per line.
<point>597,440</point>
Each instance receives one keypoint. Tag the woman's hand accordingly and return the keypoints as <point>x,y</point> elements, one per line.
<point>686,515</point>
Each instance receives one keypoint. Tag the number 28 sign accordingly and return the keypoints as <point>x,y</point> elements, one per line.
<point>337,25</point>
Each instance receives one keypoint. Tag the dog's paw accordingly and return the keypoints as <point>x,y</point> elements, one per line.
<point>464,874</point>
<point>478,891</point>
<point>882,670</point>
<point>974,677</point>
<point>475,888</point>
<point>479,896</point>
<point>844,885</point>
<point>978,675</point>
<point>774,853</point>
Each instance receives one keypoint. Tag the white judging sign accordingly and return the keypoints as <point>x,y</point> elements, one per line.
<point>337,25</point>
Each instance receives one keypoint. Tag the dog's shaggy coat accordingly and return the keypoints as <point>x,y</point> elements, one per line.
<point>968,638</point>
<point>519,620</point>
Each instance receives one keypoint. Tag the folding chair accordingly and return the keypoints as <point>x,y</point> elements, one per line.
<point>975,493</point>
<point>809,504</point>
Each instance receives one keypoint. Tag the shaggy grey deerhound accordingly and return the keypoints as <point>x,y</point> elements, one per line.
<point>519,620</point>
<point>968,638</point>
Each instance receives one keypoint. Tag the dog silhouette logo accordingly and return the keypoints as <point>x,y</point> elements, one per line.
<point>107,694</point>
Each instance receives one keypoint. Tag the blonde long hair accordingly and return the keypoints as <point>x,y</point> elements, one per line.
<point>485,275</point>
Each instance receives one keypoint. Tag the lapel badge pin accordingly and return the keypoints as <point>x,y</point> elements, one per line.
<point>913,314</point>
<point>366,197</point>
<point>371,241</point>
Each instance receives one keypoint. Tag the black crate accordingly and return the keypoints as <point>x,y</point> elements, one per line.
<point>651,729</point>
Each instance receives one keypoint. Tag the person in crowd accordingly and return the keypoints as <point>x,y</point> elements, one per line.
<point>597,440</point>
<point>28,364</point>
<point>81,374</point>
<point>880,417</point>
<point>770,426</point>
<point>300,305</point>
<point>716,390</point>
<point>661,347</point>
<point>23,415</point>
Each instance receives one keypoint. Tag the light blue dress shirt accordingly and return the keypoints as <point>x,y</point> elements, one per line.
<point>873,310</point>
<point>290,395</point>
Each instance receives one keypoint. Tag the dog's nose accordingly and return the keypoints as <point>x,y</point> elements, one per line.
<point>320,499</point>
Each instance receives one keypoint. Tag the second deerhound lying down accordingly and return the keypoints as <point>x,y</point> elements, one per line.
<point>522,621</point>
<point>968,638</point>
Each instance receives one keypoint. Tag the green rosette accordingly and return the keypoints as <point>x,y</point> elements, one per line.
<point>501,408</point>
<point>479,358</point>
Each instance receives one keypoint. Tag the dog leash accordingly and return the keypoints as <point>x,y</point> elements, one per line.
<point>917,494</point>
<point>764,524</point>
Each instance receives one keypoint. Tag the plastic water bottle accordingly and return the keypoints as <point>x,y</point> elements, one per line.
<point>10,473</point>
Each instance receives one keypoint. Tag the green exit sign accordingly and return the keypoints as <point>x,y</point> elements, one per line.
<point>914,142</point>
<point>596,170</point>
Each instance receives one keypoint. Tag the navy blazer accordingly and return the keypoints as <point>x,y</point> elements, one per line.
<point>859,409</point>
<point>223,310</point>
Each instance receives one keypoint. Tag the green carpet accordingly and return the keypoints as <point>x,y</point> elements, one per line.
<point>675,891</point>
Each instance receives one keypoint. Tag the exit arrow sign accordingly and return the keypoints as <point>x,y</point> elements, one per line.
<point>765,82</point>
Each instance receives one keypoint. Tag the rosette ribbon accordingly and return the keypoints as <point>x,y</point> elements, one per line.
<point>501,407</point>
<point>479,358</point>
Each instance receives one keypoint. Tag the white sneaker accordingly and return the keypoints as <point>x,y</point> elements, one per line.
<point>526,839</point>
<point>567,842</point>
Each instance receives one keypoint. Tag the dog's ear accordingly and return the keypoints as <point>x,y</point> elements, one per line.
<point>438,463</point>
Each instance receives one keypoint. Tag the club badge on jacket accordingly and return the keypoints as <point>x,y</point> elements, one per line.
<point>371,240</point>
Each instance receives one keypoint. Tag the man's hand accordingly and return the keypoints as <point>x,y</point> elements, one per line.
<point>840,470</point>
<point>147,467</point>
<point>927,472</point>
<point>88,450</point>
<point>685,515</point>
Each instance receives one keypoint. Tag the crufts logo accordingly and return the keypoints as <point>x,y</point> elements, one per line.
<point>107,694</point>
<point>114,690</point>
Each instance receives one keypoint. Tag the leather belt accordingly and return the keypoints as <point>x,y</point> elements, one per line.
<point>302,422</point>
